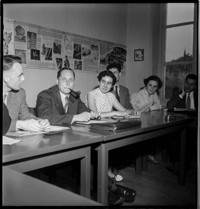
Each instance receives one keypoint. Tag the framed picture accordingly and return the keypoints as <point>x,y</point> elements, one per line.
<point>138,54</point>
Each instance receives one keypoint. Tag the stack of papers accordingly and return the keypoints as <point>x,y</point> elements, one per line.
<point>28,133</point>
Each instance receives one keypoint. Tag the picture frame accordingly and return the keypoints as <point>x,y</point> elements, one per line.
<point>139,55</point>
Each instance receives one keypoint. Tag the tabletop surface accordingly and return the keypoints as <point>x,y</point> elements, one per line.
<point>152,120</point>
<point>22,190</point>
<point>38,144</point>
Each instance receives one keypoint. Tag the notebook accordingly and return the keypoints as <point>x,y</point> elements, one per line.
<point>119,125</point>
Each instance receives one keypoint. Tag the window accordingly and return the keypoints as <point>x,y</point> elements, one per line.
<point>179,47</point>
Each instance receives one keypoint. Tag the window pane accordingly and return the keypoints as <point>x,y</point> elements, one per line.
<point>179,43</point>
<point>180,12</point>
<point>174,78</point>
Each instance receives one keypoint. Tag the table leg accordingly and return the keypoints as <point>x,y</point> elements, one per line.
<point>138,166</point>
<point>102,179</point>
<point>85,174</point>
<point>181,177</point>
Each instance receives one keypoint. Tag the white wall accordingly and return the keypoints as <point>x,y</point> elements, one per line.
<point>138,36</point>
<point>127,24</point>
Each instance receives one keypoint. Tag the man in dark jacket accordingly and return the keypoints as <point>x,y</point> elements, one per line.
<point>57,104</point>
<point>179,99</point>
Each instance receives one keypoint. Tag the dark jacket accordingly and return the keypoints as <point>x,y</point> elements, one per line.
<point>124,97</point>
<point>177,102</point>
<point>49,106</point>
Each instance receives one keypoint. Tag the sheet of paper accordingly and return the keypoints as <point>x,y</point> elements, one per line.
<point>27,133</point>
<point>9,141</point>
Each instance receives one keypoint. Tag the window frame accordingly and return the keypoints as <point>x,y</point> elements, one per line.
<point>162,37</point>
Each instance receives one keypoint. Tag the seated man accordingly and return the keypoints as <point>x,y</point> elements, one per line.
<point>14,98</point>
<point>186,98</point>
<point>180,99</point>
<point>57,104</point>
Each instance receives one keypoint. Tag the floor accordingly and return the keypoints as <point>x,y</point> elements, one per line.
<point>155,187</point>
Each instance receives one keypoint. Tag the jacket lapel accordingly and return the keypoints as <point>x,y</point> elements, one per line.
<point>58,102</point>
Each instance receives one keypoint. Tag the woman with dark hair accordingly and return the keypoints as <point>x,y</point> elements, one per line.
<point>147,98</point>
<point>102,100</point>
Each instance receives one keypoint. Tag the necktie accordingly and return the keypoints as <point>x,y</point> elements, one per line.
<point>116,93</point>
<point>188,102</point>
<point>66,103</point>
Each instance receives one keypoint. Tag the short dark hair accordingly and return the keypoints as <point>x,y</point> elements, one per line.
<point>107,73</point>
<point>153,78</point>
<point>9,60</point>
<point>114,65</point>
<point>191,76</point>
<point>62,69</point>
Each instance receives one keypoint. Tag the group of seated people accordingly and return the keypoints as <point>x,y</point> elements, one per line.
<point>57,106</point>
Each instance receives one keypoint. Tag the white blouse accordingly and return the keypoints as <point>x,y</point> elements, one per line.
<point>104,102</point>
<point>142,101</point>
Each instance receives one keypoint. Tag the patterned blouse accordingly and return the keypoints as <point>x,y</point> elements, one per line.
<point>104,102</point>
<point>141,101</point>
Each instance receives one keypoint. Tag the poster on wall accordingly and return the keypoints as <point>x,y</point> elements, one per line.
<point>110,54</point>
<point>44,48</point>
<point>8,36</point>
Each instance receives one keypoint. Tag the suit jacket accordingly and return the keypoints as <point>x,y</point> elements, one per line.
<point>124,97</point>
<point>49,106</point>
<point>177,102</point>
<point>18,108</point>
<point>6,119</point>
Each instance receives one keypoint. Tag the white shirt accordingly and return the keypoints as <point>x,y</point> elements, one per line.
<point>191,100</point>
<point>63,98</point>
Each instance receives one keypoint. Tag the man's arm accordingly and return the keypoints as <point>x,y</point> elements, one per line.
<point>175,101</point>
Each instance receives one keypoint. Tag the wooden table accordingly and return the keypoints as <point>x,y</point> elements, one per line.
<point>154,124</point>
<point>39,151</point>
<point>22,190</point>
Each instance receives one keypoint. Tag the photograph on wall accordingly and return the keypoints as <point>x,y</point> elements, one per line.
<point>20,33</point>
<point>35,54</point>
<point>86,50</point>
<point>77,65</point>
<point>59,63</point>
<point>31,40</point>
<point>77,51</point>
<point>112,54</point>
<point>95,52</point>
<point>22,54</point>
<point>8,37</point>
<point>68,44</point>
<point>139,55</point>
<point>57,47</point>
<point>66,62</point>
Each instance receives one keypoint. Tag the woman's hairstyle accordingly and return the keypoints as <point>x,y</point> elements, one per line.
<point>153,78</point>
<point>109,74</point>
<point>62,69</point>
<point>9,60</point>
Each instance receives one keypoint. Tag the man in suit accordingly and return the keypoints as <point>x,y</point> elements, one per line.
<point>14,98</point>
<point>186,98</point>
<point>58,105</point>
<point>122,93</point>
<point>179,99</point>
